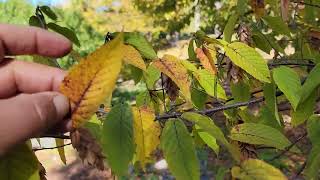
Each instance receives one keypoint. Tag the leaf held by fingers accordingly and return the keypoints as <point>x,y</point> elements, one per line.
<point>89,83</point>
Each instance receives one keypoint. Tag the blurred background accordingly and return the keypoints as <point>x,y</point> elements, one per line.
<point>167,24</point>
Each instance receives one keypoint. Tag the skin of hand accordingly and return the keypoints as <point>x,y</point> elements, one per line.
<point>30,102</point>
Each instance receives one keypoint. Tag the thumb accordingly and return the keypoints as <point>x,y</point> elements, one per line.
<point>27,115</point>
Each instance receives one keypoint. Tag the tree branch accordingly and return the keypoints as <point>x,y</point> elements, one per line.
<point>213,110</point>
<point>46,148</point>
<point>288,147</point>
<point>306,4</point>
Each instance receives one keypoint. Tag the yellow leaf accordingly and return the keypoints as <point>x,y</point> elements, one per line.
<point>60,143</point>
<point>256,169</point>
<point>172,67</point>
<point>90,82</point>
<point>133,57</point>
<point>146,133</point>
<point>206,59</point>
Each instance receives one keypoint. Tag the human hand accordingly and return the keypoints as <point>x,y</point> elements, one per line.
<point>30,103</point>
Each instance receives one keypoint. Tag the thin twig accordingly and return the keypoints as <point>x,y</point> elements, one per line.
<point>213,110</point>
<point>306,4</point>
<point>288,147</point>
<point>46,148</point>
<point>300,170</point>
<point>55,136</point>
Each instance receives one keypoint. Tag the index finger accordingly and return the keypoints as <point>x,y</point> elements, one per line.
<point>23,40</point>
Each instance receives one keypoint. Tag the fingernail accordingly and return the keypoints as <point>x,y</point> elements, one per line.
<point>62,105</point>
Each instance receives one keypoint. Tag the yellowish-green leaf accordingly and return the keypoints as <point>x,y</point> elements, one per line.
<point>253,169</point>
<point>19,163</point>
<point>207,81</point>
<point>179,151</point>
<point>304,110</point>
<point>208,139</point>
<point>146,133</point>
<point>249,60</point>
<point>133,57</point>
<point>188,65</point>
<point>312,82</point>
<point>261,134</point>
<point>229,28</point>
<point>172,67</point>
<point>60,144</point>
<point>207,125</point>
<point>91,81</point>
<point>289,83</point>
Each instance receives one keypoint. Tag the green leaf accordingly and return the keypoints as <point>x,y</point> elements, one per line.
<point>136,73</point>
<point>260,134</point>
<point>34,21</point>
<point>207,125</point>
<point>274,43</point>
<point>151,76</point>
<point>45,60</point>
<point>304,110</point>
<point>66,32</point>
<point>94,126</point>
<point>240,91</point>
<point>143,98</point>
<point>269,92</point>
<point>312,83</point>
<point>249,60</point>
<point>289,83</point>
<point>276,24</point>
<point>313,164</point>
<point>138,41</point>
<point>208,139</point>
<point>242,6</point>
<point>229,28</point>
<point>179,151</point>
<point>267,117</point>
<point>19,163</point>
<point>48,11</point>
<point>313,128</point>
<point>252,169</point>
<point>207,81</point>
<point>198,98</point>
<point>59,143</point>
<point>261,42</point>
<point>192,55</point>
<point>117,138</point>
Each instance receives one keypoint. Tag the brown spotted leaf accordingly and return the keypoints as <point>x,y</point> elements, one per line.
<point>90,82</point>
<point>206,59</point>
<point>172,67</point>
